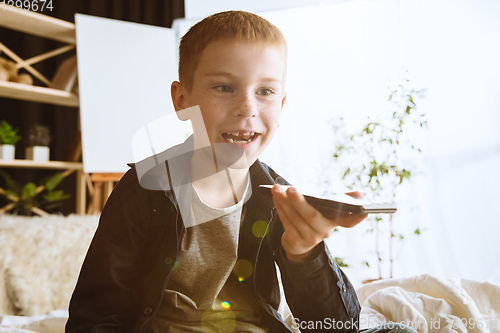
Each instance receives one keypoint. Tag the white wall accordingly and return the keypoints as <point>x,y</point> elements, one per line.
<point>197,9</point>
<point>341,58</point>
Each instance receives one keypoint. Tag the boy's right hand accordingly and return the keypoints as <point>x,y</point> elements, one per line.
<point>305,226</point>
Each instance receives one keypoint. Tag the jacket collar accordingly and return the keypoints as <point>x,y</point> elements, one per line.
<point>172,168</point>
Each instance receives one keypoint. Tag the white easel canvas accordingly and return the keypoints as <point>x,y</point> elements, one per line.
<point>125,72</point>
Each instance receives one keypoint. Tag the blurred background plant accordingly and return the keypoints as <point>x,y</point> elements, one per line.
<point>39,135</point>
<point>380,158</point>
<point>32,199</point>
<point>8,135</point>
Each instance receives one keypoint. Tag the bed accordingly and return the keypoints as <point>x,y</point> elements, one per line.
<point>35,299</point>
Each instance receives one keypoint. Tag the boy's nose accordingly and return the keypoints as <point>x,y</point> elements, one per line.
<point>247,107</point>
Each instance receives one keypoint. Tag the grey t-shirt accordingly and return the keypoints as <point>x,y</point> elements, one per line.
<point>203,294</point>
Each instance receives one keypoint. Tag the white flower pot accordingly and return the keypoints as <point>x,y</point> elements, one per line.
<point>7,152</point>
<point>38,153</point>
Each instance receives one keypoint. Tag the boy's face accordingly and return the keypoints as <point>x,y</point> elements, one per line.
<point>240,91</point>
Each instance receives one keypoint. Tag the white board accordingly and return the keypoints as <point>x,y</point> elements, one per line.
<point>125,72</point>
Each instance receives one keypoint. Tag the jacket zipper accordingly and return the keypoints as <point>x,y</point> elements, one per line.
<point>258,252</point>
<point>153,315</point>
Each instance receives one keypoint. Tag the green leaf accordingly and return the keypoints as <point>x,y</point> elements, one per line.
<point>53,181</point>
<point>8,135</point>
<point>55,196</point>
<point>12,185</point>
<point>367,264</point>
<point>417,231</point>
<point>404,174</point>
<point>13,194</point>
<point>373,172</point>
<point>340,262</point>
<point>28,191</point>
<point>52,206</point>
<point>408,108</point>
<point>348,171</point>
<point>383,169</point>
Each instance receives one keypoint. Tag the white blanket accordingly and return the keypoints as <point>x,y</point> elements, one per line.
<point>52,322</point>
<point>424,302</point>
<point>429,304</point>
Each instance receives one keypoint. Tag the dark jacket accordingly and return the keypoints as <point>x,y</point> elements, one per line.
<point>129,261</point>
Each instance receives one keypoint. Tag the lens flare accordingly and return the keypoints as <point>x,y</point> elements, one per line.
<point>242,269</point>
<point>225,305</point>
<point>220,320</point>
<point>259,228</point>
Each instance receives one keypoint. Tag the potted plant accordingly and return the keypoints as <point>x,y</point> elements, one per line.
<point>381,157</point>
<point>30,198</point>
<point>38,143</point>
<point>8,140</point>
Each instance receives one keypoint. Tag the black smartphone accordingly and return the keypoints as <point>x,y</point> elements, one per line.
<point>343,202</point>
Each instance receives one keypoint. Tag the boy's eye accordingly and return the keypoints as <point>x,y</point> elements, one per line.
<point>224,88</point>
<point>265,91</point>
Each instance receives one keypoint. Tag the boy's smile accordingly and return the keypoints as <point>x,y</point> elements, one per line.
<point>239,88</point>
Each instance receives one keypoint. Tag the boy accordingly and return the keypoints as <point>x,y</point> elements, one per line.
<point>180,245</point>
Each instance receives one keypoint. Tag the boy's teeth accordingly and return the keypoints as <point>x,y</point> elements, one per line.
<point>238,141</point>
<point>239,137</point>
<point>238,133</point>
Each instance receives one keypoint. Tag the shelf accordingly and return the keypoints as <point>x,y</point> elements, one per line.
<point>55,29</point>
<point>41,165</point>
<point>31,93</point>
<point>37,24</point>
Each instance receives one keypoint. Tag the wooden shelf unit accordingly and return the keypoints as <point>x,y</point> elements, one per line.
<point>58,165</point>
<point>31,93</point>
<point>37,24</point>
<point>55,29</point>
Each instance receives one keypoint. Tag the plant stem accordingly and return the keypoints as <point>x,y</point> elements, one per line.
<point>390,245</point>
<point>379,265</point>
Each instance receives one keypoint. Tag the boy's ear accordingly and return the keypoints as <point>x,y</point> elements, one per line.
<point>283,101</point>
<point>178,94</point>
<point>282,104</point>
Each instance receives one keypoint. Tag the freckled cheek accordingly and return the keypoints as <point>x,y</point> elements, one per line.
<point>213,115</point>
<point>210,107</point>
<point>271,114</point>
